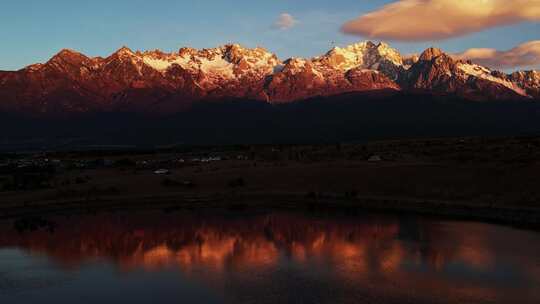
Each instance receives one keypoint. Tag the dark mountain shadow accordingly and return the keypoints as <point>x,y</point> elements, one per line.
<point>350,117</point>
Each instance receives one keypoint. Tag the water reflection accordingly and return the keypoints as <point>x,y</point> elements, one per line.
<point>284,257</point>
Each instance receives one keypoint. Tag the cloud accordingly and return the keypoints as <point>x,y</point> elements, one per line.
<point>427,20</point>
<point>523,55</point>
<point>285,21</point>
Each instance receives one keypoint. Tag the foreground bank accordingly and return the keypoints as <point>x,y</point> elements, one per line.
<point>311,203</point>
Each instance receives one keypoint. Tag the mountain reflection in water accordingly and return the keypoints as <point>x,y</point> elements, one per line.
<point>291,257</point>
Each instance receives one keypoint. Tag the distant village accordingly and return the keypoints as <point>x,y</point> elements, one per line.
<point>35,170</point>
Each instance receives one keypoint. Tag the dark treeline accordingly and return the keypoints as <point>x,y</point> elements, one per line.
<point>345,118</point>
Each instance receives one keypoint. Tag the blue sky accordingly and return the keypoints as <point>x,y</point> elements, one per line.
<point>34,30</point>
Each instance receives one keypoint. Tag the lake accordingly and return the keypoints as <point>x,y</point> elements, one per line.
<point>265,257</point>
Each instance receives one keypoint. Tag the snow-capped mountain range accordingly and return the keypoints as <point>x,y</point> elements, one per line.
<point>159,82</point>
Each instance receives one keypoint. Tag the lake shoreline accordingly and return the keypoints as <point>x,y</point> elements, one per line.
<point>528,218</point>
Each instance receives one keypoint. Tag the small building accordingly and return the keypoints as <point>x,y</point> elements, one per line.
<point>162,172</point>
<point>374,158</point>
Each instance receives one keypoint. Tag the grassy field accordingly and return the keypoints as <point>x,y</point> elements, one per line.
<point>486,174</point>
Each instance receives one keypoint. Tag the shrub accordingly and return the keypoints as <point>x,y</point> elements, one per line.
<point>311,195</point>
<point>125,163</point>
<point>237,182</point>
<point>167,182</point>
<point>351,194</point>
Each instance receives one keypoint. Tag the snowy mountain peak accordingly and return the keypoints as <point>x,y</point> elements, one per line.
<point>68,55</point>
<point>65,60</point>
<point>148,78</point>
<point>68,52</point>
<point>215,67</point>
<point>187,51</point>
<point>124,52</point>
<point>391,54</point>
<point>295,64</point>
<point>492,76</point>
<point>237,54</point>
<point>366,55</point>
<point>530,76</point>
<point>363,45</point>
<point>430,54</point>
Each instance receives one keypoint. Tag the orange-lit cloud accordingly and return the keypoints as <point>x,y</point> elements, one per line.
<point>523,55</point>
<point>285,21</point>
<point>426,20</point>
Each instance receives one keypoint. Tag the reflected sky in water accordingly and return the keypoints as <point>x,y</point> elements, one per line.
<point>220,257</point>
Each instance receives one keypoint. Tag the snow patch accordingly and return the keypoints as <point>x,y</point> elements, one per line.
<point>484,73</point>
<point>361,55</point>
<point>217,65</point>
<point>163,64</point>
